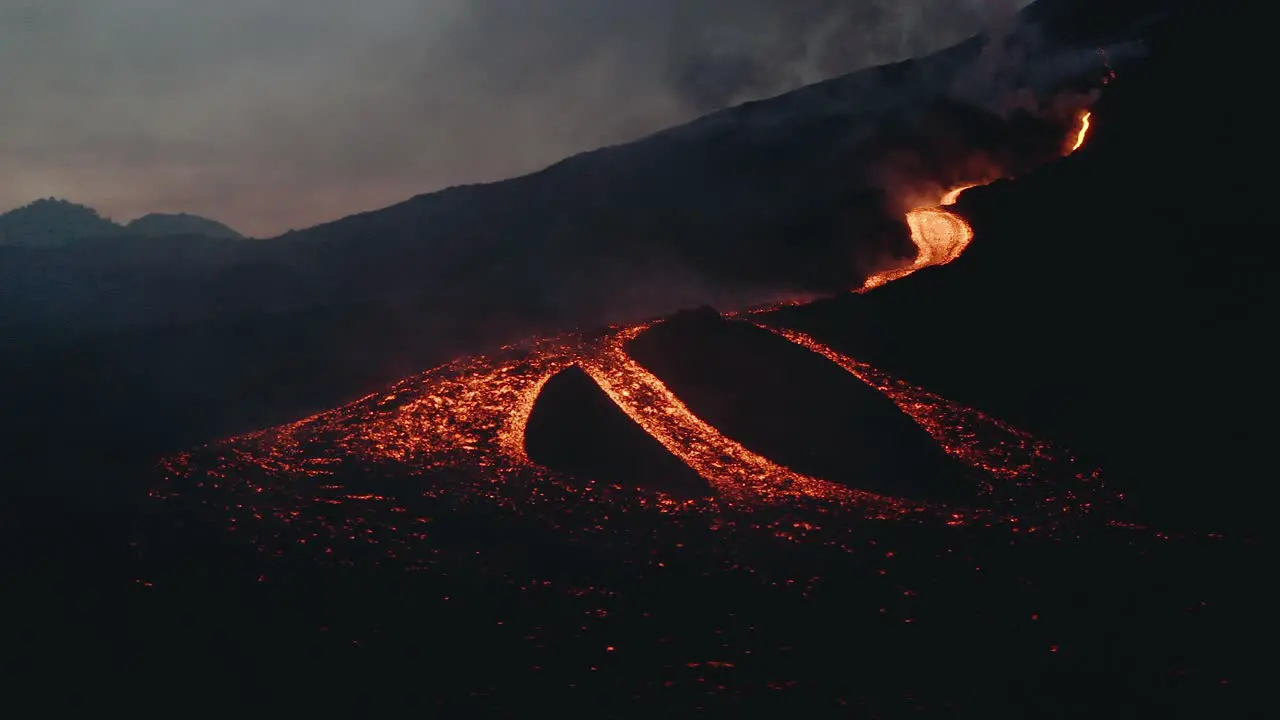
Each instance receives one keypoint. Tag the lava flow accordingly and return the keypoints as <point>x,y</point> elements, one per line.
<point>939,235</point>
<point>457,434</point>
<point>734,471</point>
<point>1083,133</point>
<point>472,414</point>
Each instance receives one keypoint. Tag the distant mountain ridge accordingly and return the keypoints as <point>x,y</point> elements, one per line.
<point>55,222</point>
<point>162,224</point>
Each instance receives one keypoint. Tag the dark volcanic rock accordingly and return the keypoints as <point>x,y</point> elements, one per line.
<point>576,428</point>
<point>796,407</point>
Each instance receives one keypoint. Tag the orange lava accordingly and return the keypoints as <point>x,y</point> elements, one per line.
<point>460,430</point>
<point>734,471</point>
<point>977,439</point>
<point>467,419</point>
<point>953,195</point>
<point>939,236</point>
<point>1083,133</point>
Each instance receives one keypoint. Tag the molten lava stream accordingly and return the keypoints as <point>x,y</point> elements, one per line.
<point>950,425</point>
<point>735,472</point>
<point>1083,133</point>
<point>1035,473</point>
<point>473,412</point>
<point>939,236</point>
<point>511,438</point>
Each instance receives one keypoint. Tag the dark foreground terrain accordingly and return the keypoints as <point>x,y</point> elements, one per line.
<point>1114,301</point>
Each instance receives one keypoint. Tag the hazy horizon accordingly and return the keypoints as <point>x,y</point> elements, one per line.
<point>268,115</point>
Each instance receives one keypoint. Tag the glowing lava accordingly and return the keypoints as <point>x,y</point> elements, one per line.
<point>979,440</point>
<point>952,196</point>
<point>457,434</point>
<point>1083,133</point>
<point>464,424</point>
<point>734,471</point>
<point>939,236</point>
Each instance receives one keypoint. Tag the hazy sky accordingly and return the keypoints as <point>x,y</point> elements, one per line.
<point>271,114</point>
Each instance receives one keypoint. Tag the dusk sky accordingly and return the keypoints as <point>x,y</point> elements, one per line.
<point>278,114</point>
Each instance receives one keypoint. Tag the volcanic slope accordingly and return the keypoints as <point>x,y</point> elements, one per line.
<point>177,344</point>
<point>783,593</point>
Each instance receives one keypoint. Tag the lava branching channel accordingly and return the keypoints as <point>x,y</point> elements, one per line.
<point>772,417</point>
<point>461,433</point>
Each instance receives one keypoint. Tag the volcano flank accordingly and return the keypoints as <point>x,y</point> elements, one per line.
<point>997,460</point>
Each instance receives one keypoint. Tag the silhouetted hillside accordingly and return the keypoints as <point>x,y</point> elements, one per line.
<point>52,222</point>
<point>167,225</point>
<point>58,224</point>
